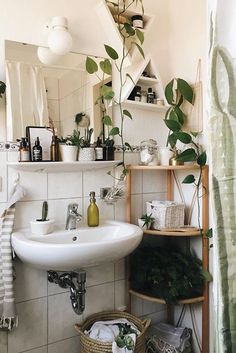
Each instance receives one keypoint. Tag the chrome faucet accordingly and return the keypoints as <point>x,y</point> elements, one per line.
<point>72,216</point>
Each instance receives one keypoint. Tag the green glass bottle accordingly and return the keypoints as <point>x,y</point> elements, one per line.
<point>93,211</point>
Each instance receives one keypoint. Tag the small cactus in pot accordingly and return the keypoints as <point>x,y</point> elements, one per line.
<point>43,225</point>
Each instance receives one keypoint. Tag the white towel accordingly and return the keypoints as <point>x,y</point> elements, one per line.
<point>8,317</point>
<point>108,331</point>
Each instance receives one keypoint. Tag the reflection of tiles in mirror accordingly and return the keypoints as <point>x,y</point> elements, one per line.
<point>9,146</point>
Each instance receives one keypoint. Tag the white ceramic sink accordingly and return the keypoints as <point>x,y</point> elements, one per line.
<point>65,250</point>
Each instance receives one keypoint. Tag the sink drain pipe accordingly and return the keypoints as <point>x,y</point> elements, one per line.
<point>75,281</point>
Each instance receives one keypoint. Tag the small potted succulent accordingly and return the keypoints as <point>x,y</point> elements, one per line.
<point>69,147</point>
<point>43,225</point>
<point>87,151</point>
<point>145,222</point>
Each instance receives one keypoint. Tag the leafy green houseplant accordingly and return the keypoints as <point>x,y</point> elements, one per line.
<point>69,146</point>
<point>42,225</point>
<point>145,221</point>
<point>166,273</point>
<point>87,152</point>
<point>117,60</point>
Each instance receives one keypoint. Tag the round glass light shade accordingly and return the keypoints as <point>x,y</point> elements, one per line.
<point>60,40</point>
<point>46,56</point>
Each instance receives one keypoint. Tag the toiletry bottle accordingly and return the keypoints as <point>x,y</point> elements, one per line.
<point>54,149</point>
<point>99,150</point>
<point>150,95</point>
<point>93,211</point>
<point>24,150</point>
<point>37,151</point>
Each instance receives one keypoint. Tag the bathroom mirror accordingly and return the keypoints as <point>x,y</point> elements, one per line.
<point>49,95</point>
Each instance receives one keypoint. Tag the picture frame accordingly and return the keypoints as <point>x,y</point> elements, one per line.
<point>45,137</point>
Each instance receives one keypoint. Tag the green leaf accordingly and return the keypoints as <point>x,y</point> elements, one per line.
<point>109,96</point>
<point>173,115</point>
<point>139,48</point>
<point>107,92</point>
<point>129,29</point>
<point>140,35</point>
<point>185,90</point>
<point>194,133</point>
<point>169,92</point>
<point>202,159</point>
<point>173,125</point>
<point>209,233</point>
<point>111,52</point>
<point>127,113</point>
<point>172,140</point>
<point>188,155</point>
<point>183,137</point>
<point>207,276</point>
<point>106,66</point>
<point>180,114</point>
<point>91,65</point>
<point>114,131</point>
<point>130,77</point>
<point>189,179</point>
<point>129,146</point>
<point>107,120</point>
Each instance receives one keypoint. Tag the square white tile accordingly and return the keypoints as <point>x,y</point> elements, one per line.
<point>150,308</point>
<point>61,318</point>
<point>136,207</point>
<point>136,182</point>
<point>120,210</point>
<point>136,306</point>
<point>64,185</point>
<point>99,298</point>
<point>120,269</point>
<point>58,209</point>
<point>32,328</point>
<point>120,295</point>
<point>30,283</point>
<point>71,345</point>
<point>38,350</point>
<point>94,181</point>
<point>35,184</point>
<point>154,181</point>
<point>27,211</point>
<point>100,274</point>
<point>3,342</point>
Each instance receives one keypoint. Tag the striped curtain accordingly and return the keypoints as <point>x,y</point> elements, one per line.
<point>223,156</point>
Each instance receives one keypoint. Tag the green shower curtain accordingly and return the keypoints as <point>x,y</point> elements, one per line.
<point>223,176</point>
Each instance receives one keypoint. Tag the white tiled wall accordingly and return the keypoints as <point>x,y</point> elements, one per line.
<point>46,318</point>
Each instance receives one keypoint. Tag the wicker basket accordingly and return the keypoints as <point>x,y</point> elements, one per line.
<point>167,214</point>
<point>89,345</point>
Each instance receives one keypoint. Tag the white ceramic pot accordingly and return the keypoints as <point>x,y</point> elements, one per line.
<point>141,224</point>
<point>87,154</point>
<point>68,153</point>
<point>42,227</point>
<point>165,154</point>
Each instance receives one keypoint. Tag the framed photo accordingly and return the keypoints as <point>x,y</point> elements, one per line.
<point>45,137</point>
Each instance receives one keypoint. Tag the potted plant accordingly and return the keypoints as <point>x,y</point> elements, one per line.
<point>43,225</point>
<point>145,222</point>
<point>69,147</point>
<point>87,152</point>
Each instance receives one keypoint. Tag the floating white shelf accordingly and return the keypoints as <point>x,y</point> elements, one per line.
<point>60,167</point>
<point>145,106</point>
<point>147,81</point>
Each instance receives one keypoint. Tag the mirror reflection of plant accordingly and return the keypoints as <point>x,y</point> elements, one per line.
<point>127,32</point>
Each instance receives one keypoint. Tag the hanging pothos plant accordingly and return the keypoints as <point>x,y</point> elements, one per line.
<point>117,61</point>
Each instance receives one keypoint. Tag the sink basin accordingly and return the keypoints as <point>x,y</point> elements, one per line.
<point>65,250</point>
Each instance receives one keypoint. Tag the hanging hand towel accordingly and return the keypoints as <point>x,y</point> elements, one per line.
<point>8,317</point>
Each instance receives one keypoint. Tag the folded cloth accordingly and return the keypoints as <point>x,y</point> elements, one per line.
<point>8,317</point>
<point>109,331</point>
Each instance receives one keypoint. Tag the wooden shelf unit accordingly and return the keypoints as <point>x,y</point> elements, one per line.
<point>170,170</point>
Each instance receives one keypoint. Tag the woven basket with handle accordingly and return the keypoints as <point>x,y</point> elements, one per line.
<point>89,345</point>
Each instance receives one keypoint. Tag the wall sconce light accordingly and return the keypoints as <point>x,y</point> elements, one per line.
<point>59,39</point>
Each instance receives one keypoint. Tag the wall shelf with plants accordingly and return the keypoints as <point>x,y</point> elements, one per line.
<point>60,167</point>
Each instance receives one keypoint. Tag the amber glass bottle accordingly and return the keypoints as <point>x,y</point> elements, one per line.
<point>93,211</point>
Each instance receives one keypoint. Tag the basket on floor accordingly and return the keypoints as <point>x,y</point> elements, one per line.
<point>89,345</point>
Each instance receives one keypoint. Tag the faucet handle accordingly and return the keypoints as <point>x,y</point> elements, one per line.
<point>73,207</point>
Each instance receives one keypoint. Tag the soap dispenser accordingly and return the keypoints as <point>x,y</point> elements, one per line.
<point>93,211</point>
